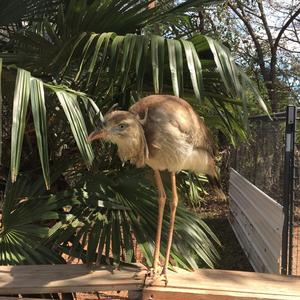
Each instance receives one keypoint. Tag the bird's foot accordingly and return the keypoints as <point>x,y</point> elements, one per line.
<point>153,272</point>
<point>156,277</point>
<point>164,275</point>
<point>150,273</point>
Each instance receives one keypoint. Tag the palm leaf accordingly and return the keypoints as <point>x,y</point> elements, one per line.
<point>226,67</point>
<point>195,69</point>
<point>21,232</point>
<point>1,110</point>
<point>73,113</point>
<point>132,212</point>
<point>140,63</point>
<point>115,54</point>
<point>11,11</point>
<point>14,11</point>
<point>219,73</point>
<point>176,65</point>
<point>84,53</point>
<point>157,57</point>
<point>249,85</point>
<point>40,123</point>
<point>101,38</point>
<point>20,103</point>
<point>128,50</point>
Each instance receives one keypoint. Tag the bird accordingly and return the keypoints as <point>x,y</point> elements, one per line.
<point>165,133</point>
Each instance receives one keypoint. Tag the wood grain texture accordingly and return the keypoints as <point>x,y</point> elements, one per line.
<point>223,285</point>
<point>199,285</point>
<point>18,298</point>
<point>68,278</point>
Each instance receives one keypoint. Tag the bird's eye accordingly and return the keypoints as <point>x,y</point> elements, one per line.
<point>122,126</point>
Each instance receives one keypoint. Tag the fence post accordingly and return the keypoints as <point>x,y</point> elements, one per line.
<point>288,190</point>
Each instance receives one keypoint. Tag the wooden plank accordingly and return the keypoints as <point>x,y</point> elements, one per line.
<point>17,298</point>
<point>36,279</point>
<point>224,285</point>
<point>199,285</point>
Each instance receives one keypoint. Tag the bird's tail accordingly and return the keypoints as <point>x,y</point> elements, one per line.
<point>216,184</point>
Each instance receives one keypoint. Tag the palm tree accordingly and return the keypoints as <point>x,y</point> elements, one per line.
<point>72,60</point>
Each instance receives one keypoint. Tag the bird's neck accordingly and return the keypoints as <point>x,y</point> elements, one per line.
<point>134,149</point>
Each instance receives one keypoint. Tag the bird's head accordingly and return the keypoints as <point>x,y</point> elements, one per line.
<point>117,127</point>
<point>126,130</point>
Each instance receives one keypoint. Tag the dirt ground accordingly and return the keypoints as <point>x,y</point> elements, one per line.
<point>232,257</point>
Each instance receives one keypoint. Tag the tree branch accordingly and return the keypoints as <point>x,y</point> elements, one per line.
<point>265,23</point>
<point>288,50</point>
<point>285,26</point>
<point>259,51</point>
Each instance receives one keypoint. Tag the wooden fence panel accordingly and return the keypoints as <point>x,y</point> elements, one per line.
<point>257,221</point>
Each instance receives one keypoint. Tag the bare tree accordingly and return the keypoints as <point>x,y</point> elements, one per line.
<point>273,27</point>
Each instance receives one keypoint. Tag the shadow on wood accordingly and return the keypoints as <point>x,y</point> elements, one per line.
<point>42,279</point>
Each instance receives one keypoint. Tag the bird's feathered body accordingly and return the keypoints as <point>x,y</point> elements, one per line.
<point>165,133</point>
<point>177,139</point>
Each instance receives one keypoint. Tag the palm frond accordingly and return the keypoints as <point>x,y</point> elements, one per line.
<point>1,110</point>
<point>128,212</point>
<point>21,99</point>
<point>72,110</point>
<point>28,87</point>
<point>14,11</point>
<point>39,116</point>
<point>24,228</point>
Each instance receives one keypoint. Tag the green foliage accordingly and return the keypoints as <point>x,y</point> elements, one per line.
<point>14,11</point>
<point>26,212</point>
<point>30,87</point>
<point>115,209</point>
<point>1,109</point>
<point>102,50</point>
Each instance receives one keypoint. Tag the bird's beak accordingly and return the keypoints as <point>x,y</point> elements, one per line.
<point>97,134</point>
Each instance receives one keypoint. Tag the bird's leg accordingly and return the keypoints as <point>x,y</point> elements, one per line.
<point>173,206</point>
<point>161,206</point>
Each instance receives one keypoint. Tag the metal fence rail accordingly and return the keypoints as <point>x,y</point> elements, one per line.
<point>257,221</point>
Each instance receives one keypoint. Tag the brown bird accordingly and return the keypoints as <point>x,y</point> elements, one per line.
<point>165,133</point>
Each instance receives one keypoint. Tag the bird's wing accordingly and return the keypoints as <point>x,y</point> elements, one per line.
<point>180,114</point>
<point>204,139</point>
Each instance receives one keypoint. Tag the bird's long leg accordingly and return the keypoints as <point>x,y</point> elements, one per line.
<point>173,206</point>
<point>161,206</point>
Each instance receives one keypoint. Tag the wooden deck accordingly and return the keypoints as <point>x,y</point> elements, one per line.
<point>38,279</point>
<point>200,285</point>
<point>224,285</point>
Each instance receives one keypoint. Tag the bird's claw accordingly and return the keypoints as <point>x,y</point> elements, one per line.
<point>153,272</point>
<point>156,276</point>
<point>164,275</point>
